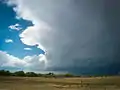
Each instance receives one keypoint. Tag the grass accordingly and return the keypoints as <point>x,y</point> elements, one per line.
<point>40,83</point>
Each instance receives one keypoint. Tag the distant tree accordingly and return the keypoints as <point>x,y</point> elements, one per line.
<point>4,73</point>
<point>31,74</point>
<point>40,75</point>
<point>19,73</point>
<point>68,75</point>
<point>49,75</point>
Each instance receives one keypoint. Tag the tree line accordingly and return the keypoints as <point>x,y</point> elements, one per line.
<point>32,74</point>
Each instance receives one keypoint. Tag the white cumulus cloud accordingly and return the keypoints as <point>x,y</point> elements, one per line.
<point>15,27</point>
<point>28,63</point>
<point>8,40</point>
<point>9,60</point>
<point>27,48</point>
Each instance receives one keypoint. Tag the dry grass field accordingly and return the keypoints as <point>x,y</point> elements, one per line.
<point>39,83</point>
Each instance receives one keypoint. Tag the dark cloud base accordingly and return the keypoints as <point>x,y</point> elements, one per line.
<point>94,68</point>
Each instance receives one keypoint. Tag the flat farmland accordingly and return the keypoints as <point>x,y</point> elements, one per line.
<point>75,83</point>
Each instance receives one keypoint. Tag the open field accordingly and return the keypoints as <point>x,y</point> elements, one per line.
<point>39,83</point>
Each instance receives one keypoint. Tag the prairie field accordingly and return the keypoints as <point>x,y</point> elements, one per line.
<point>75,83</point>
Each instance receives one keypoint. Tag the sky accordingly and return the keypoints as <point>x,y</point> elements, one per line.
<point>75,36</point>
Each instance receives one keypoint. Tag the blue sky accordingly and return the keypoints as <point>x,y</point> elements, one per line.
<point>16,48</point>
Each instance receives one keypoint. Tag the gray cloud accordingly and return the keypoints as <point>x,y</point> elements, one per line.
<point>85,33</point>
